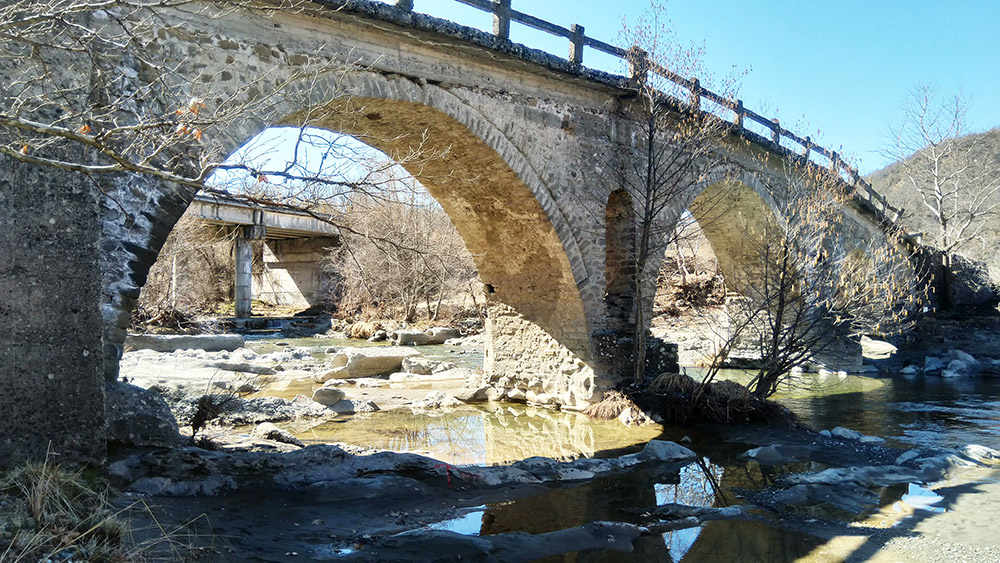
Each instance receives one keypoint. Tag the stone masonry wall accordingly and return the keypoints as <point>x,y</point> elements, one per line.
<point>50,324</point>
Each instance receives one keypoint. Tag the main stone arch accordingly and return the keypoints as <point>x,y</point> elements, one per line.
<point>538,336</point>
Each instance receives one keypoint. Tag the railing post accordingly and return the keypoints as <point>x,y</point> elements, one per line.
<point>696,94</point>
<point>835,163</point>
<point>776,131</point>
<point>808,147</point>
<point>405,5</point>
<point>576,43</point>
<point>638,64</point>
<point>739,114</point>
<point>501,19</point>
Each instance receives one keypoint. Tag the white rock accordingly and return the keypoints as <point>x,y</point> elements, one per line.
<point>335,373</point>
<point>949,373</point>
<point>375,360</point>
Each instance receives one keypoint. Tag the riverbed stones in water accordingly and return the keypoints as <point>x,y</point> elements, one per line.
<point>328,396</point>
<point>375,360</point>
<point>779,454</point>
<point>662,450</point>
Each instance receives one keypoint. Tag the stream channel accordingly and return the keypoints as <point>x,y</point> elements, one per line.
<point>909,412</point>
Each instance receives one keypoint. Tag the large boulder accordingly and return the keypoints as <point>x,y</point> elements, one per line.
<point>138,417</point>
<point>328,396</point>
<point>171,342</point>
<point>435,335</point>
<point>376,360</point>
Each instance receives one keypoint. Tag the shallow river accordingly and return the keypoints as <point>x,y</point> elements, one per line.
<point>909,412</point>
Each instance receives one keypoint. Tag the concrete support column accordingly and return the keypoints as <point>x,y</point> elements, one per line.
<point>244,277</point>
<point>244,269</point>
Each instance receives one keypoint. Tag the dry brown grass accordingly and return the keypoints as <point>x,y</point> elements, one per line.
<point>673,383</point>
<point>51,513</point>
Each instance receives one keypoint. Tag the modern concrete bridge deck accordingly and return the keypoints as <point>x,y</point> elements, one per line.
<point>524,144</point>
<point>294,244</point>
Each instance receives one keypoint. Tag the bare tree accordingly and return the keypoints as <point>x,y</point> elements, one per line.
<point>406,253</point>
<point>957,185</point>
<point>803,289</point>
<point>677,144</point>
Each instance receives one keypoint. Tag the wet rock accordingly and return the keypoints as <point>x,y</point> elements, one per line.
<point>549,470</point>
<point>172,342</point>
<point>846,433</point>
<point>330,350</point>
<point>849,498</point>
<point>269,431</point>
<point>328,396</point>
<point>379,336</point>
<point>376,360</point>
<point>662,450</point>
<point>871,440</point>
<point>353,406</point>
<point>474,394</point>
<point>932,364</point>
<point>779,454</point>
<point>138,417</point>
<point>907,456</point>
<point>826,433</point>
<point>870,476</point>
<point>908,370</point>
<point>436,400</point>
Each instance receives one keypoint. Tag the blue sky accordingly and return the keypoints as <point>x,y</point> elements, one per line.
<point>838,71</point>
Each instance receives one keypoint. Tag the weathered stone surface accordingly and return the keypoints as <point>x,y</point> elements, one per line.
<point>138,417</point>
<point>437,400</point>
<point>171,342</point>
<point>269,431</point>
<point>328,396</point>
<point>341,372</point>
<point>425,366</point>
<point>51,356</point>
<point>376,360</point>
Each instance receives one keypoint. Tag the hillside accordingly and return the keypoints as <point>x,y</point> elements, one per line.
<point>892,181</point>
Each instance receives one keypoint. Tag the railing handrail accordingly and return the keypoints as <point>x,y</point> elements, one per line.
<point>639,64</point>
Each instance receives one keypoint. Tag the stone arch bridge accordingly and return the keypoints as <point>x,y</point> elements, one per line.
<point>523,142</point>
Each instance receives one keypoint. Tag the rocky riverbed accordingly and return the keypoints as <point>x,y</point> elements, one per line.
<point>565,488</point>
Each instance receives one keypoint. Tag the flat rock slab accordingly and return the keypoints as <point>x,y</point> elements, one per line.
<point>171,342</point>
<point>375,360</point>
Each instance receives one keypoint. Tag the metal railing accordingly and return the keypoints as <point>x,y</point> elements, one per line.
<point>639,64</point>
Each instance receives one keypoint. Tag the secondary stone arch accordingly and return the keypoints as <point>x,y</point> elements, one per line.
<point>727,206</point>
